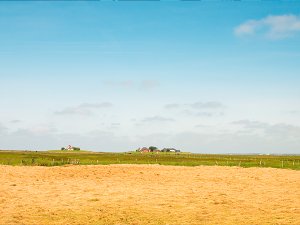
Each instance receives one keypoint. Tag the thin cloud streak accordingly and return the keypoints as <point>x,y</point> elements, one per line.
<point>85,109</point>
<point>207,105</point>
<point>197,105</point>
<point>271,27</point>
<point>157,119</point>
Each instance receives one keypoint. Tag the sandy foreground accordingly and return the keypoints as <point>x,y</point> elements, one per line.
<point>148,194</point>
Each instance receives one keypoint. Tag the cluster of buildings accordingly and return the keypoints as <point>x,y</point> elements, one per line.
<point>151,149</point>
<point>70,148</point>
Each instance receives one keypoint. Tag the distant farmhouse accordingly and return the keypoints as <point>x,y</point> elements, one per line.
<point>170,150</point>
<point>70,148</point>
<point>155,149</point>
<point>144,149</point>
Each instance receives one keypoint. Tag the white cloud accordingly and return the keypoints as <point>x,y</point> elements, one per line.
<point>74,111</point>
<point>197,105</point>
<point>3,129</point>
<point>15,121</point>
<point>224,142</point>
<point>96,140</point>
<point>209,114</point>
<point>199,109</point>
<point>149,84</point>
<point>247,28</point>
<point>249,124</point>
<point>172,106</point>
<point>83,109</point>
<point>285,131</point>
<point>123,84</point>
<point>272,131</point>
<point>271,27</point>
<point>207,105</point>
<point>96,105</point>
<point>201,126</point>
<point>157,119</point>
<point>294,112</point>
<point>275,138</point>
<point>198,114</point>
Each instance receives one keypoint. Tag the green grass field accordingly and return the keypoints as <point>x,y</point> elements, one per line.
<point>58,158</point>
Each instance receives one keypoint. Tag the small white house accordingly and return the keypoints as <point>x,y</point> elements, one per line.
<point>71,148</point>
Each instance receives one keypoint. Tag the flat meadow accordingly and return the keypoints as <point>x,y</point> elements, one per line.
<point>58,158</point>
<point>77,188</point>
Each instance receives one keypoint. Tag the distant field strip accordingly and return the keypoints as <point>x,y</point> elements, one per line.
<point>58,158</point>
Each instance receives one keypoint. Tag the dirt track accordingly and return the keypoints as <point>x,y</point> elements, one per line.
<point>148,194</point>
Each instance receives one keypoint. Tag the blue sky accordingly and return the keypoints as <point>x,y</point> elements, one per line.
<point>213,77</point>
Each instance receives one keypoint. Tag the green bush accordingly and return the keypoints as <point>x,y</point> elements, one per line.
<point>152,148</point>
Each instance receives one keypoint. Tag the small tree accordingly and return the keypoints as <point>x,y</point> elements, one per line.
<point>152,148</point>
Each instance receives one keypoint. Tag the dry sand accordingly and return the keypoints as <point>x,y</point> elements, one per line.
<point>148,194</point>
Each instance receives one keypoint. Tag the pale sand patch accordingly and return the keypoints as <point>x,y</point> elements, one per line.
<point>148,194</point>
